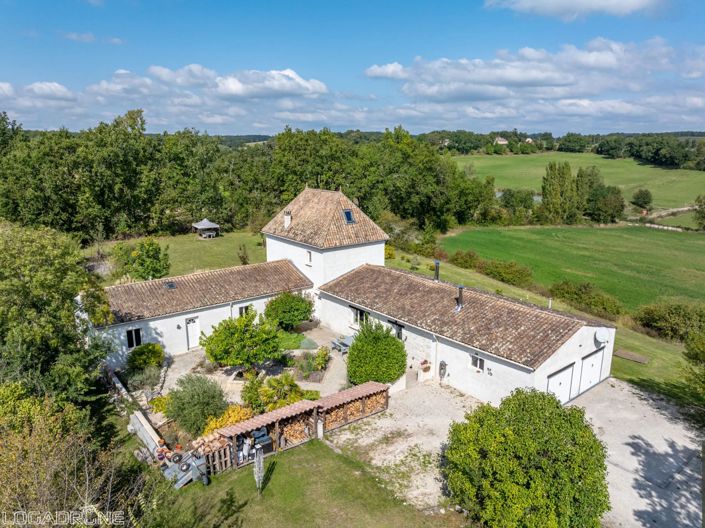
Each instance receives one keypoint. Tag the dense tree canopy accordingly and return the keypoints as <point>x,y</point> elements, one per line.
<point>375,355</point>
<point>528,462</point>
<point>42,341</point>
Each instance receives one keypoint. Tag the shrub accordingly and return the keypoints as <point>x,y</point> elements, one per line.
<point>245,341</point>
<point>312,395</point>
<point>250,393</point>
<point>195,400</point>
<point>389,252</point>
<point>145,355</point>
<point>159,403</point>
<point>320,362</point>
<point>232,415</point>
<point>144,260</point>
<point>509,272</point>
<point>464,259</point>
<point>642,199</point>
<point>289,310</point>
<point>695,356</point>
<point>587,297</point>
<point>543,456</point>
<point>145,379</point>
<point>279,391</point>
<point>375,355</point>
<point>673,319</point>
<point>306,365</point>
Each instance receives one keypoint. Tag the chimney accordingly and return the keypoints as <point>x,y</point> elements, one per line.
<point>437,270</point>
<point>287,219</point>
<point>460,298</point>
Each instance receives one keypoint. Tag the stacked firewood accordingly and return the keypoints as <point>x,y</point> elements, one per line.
<point>335,417</point>
<point>354,410</point>
<point>295,431</point>
<point>375,403</point>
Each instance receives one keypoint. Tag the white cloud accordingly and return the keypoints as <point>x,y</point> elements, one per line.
<point>6,89</point>
<point>115,41</point>
<point>272,83</point>
<point>123,83</point>
<point>572,9</point>
<point>49,90</point>
<point>393,70</point>
<point>79,37</point>
<point>189,75</point>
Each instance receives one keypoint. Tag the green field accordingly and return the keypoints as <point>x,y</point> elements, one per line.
<point>188,253</point>
<point>670,187</point>
<point>680,220</point>
<point>309,486</point>
<point>635,264</point>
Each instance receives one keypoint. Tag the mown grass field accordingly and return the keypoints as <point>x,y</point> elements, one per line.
<point>635,264</point>
<point>680,220</point>
<point>309,486</point>
<point>670,187</point>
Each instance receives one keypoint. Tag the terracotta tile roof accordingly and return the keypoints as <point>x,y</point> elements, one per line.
<point>318,220</point>
<point>268,418</point>
<point>355,393</point>
<point>519,332</point>
<point>142,300</point>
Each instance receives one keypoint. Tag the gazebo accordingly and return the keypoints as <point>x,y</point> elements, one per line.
<point>206,229</point>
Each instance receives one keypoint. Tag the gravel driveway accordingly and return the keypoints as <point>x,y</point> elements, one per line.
<point>654,457</point>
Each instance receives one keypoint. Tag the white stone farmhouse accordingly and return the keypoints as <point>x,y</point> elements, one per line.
<point>322,244</point>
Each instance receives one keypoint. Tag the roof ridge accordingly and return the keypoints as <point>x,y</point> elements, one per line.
<point>198,273</point>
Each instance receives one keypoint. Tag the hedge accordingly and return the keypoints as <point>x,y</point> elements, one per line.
<point>508,272</point>
<point>289,310</point>
<point>673,319</point>
<point>587,297</point>
<point>376,355</point>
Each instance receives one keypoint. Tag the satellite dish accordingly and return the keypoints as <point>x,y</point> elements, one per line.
<point>602,335</point>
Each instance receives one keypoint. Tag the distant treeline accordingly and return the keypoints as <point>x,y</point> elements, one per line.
<point>115,180</point>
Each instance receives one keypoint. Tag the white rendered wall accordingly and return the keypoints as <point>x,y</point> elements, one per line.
<point>325,264</point>
<point>170,330</point>
<point>572,352</point>
<point>497,380</point>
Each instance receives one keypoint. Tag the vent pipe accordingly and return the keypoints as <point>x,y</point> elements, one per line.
<point>437,270</point>
<point>287,219</point>
<point>550,302</point>
<point>460,298</point>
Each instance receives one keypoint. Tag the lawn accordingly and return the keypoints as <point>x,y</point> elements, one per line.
<point>670,187</point>
<point>662,374</point>
<point>188,253</point>
<point>679,220</point>
<point>635,264</point>
<point>310,485</point>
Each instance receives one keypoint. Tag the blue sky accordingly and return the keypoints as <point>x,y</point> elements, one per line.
<point>253,67</point>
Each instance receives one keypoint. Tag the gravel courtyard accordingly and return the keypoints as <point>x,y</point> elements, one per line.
<point>404,442</point>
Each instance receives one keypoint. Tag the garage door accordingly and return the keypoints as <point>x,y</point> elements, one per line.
<point>591,368</point>
<point>559,383</point>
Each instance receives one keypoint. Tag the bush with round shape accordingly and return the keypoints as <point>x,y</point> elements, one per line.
<point>289,310</point>
<point>145,355</point>
<point>587,297</point>
<point>673,318</point>
<point>528,462</point>
<point>375,355</point>
<point>195,400</point>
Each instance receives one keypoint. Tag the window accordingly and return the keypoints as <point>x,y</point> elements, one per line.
<point>134,337</point>
<point>359,315</point>
<point>242,310</point>
<point>398,329</point>
<point>349,218</point>
<point>477,362</point>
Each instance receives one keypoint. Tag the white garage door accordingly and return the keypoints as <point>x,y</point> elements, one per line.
<point>591,369</point>
<point>559,383</point>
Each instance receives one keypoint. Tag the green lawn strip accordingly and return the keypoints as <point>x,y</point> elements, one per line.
<point>670,187</point>
<point>188,253</point>
<point>311,486</point>
<point>635,264</point>
<point>662,374</point>
<point>679,220</point>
